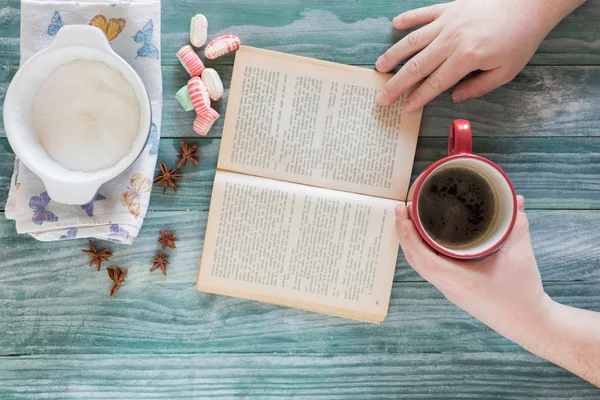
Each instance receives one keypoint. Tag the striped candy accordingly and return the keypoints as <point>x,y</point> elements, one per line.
<point>199,95</point>
<point>221,46</point>
<point>190,61</point>
<point>204,122</point>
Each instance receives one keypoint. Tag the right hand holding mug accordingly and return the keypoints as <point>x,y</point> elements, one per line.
<point>504,290</point>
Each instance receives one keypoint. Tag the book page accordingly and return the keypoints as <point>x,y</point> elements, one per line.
<point>314,122</point>
<point>300,246</point>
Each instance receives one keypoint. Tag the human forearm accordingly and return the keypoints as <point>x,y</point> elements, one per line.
<point>570,338</point>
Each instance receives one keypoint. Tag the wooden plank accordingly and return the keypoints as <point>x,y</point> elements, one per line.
<point>53,303</point>
<point>545,170</point>
<point>26,261</point>
<point>349,32</point>
<point>393,376</point>
<point>568,254</point>
<point>542,101</point>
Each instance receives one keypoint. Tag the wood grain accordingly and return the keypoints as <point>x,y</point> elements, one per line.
<point>383,376</point>
<point>73,313</point>
<point>424,376</point>
<point>349,32</point>
<point>541,101</point>
<point>53,303</point>
<point>544,170</point>
<point>28,262</point>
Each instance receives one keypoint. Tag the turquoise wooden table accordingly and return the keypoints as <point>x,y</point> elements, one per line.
<point>62,336</point>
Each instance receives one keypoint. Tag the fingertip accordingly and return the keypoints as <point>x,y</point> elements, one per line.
<point>383,99</point>
<point>413,237</point>
<point>398,22</point>
<point>401,212</point>
<point>462,91</point>
<point>403,228</point>
<point>521,203</point>
<point>400,230</point>
<point>405,214</point>
<point>520,229</point>
<point>398,210</point>
<point>459,95</point>
<point>381,64</point>
<point>415,249</point>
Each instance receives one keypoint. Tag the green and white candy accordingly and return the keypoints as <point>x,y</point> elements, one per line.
<point>183,97</point>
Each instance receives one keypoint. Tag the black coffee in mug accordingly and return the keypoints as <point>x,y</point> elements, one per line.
<point>458,206</point>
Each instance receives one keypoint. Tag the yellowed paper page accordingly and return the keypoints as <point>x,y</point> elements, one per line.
<point>300,246</point>
<point>314,122</point>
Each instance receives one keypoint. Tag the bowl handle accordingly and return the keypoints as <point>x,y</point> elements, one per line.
<point>75,194</point>
<point>82,35</point>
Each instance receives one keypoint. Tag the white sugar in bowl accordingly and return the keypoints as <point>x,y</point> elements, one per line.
<point>57,120</point>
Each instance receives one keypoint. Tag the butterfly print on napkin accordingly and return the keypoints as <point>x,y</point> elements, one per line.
<point>89,207</point>
<point>40,215</point>
<point>144,37</point>
<point>55,24</point>
<point>115,228</point>
<point>71,234</point>
<point>153,140</point>
<point>138,186</point>
<point>111,28</point>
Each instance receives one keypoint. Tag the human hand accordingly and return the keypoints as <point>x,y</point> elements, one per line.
<point>504,290</point>
<point>497,37</point>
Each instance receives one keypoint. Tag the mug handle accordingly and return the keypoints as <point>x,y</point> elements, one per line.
<point>459,140</point>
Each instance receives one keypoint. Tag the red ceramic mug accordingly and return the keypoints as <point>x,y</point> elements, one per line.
<point>460,153</point>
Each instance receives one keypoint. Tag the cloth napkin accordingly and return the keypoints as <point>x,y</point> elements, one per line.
<point>118,209</point>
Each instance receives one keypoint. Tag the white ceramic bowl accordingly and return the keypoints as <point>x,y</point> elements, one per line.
<point>73,42</point>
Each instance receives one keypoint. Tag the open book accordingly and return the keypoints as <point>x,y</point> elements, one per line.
<point>310,170</point>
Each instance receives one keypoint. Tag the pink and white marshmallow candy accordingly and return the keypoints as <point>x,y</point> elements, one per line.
<point>199,95</point>
<point>221,46</point>
<point>190,61</point>
<point>204,122</point>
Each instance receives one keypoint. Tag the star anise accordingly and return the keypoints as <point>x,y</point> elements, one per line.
<point>118,276</point>
<point>167,239</point>
<point>161,262</point>
<point>97,255</point>
<point>188,152</point>
<point>167,177</point>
